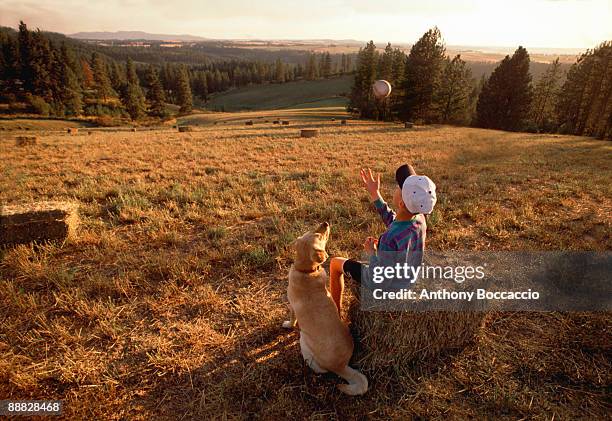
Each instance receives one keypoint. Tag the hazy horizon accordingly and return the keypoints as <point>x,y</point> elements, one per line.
<point>546,24</point>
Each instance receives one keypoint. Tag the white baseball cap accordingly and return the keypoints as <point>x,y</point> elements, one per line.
<point>419,194</point>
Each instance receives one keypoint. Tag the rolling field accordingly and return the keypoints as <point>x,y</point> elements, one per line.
<point>301,116</point>
<point>300,94</point>
<point>10,125</point>
<point>168,304</point>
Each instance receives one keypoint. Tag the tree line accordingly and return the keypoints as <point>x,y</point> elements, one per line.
<point>198,53</point>
<point>430,87</point>
<point>42,76</point>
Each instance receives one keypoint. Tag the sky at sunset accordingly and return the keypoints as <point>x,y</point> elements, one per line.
<point>534,23</point>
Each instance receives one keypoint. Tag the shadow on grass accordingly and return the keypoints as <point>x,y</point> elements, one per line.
<point>265,376</point>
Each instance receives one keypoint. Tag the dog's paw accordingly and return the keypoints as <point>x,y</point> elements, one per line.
<point>287,324</point>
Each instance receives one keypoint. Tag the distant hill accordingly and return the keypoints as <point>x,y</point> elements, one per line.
<point>135,35</point>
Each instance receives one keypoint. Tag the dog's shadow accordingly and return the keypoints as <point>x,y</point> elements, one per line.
<point>264,376</point>
<point>258,376</point>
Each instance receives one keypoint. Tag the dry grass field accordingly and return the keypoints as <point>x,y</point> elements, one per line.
<point>168,304</point>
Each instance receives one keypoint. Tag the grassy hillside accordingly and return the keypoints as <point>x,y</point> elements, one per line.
<point>286,95</point>
<point>169,302</point>
<point>263,119</point>
<point>35,123</point>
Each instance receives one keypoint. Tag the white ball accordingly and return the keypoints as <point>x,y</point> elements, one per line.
<point>381,89</point>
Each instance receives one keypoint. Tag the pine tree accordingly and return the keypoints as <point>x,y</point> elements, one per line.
<point>545,96</point>
<point>473,99</point>
<point>505,100</point>
<point>397,67</point>
<point>225,81</point>
<point>10,67</point>
<point>102,84</point>
<point>210,82</point>
<point>279,71</point>
<point>326,65</point>
<point>26,57</point>
<point>69,92</point>
<point>585,100</point>
<point>88,77</point>
<point>42,64</point>
<point>311,67</point>
<point>200,87</point>
<point>422,77</point>
<point>35,59</point>
<point>155,94</point>
<point>361,93</point>
<point>519,103</point>
<point>218,81</point>
<point>133,99</point>
<point>385,72</point>
<point>320,65</point>
<point>385,69</point>
<point>118,78</point>
<point>452,97</point>
<point>4,40</point>
<point>184,98</point>
<point>489,111</point>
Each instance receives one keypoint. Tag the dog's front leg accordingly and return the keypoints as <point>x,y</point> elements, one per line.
<point>290,324</point>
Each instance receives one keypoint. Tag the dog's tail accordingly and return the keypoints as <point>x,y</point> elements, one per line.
<point>358,383</point>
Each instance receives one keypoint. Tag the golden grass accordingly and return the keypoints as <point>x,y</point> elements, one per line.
<point>169,302</point>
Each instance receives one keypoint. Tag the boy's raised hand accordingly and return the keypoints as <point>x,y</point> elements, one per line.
<point>372,185</point>
<point>370,245</point>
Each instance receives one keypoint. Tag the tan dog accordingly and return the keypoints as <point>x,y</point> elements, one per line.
<point>325,340</point>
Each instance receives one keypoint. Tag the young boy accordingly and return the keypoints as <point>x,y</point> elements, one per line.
<point>414,197</point>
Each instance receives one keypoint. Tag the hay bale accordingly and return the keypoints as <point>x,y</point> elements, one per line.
<point>42,221</point>
<point>333,119</point>
<point>285,122</point>
<point>408,125</point>
<point>343,122</point>
<point>392,340</point>
<point>309,133</point>
<point>183,129</point>
<point>26,140</point>
<point>73,130</point>
<point>249,122</point>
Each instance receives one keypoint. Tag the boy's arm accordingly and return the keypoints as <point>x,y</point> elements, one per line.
<point>386,213</point>
<point>372,185</point>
